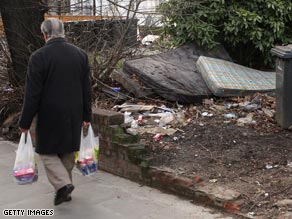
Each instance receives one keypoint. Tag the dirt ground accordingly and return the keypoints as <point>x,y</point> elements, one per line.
<point>254,159</point>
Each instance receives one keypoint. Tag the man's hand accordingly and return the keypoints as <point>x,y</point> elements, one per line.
<point>23,130</point>
<point>85,124</point>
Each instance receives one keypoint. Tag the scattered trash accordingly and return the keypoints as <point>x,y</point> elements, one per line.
<point>230,115</point>
<point>269,113</point>
<point>218,107</point>
<point>8,89</point>
<point>251,213</point>
<point>134,124</point>
<point>213,180</point>
<point>132,131</point>
<point>166,119</point>
<point>206,114</point>
<point>256,100</point>
<point>157,137</point>
<point>140,119</point>
<point>247,120</point>
<point>127,117</point>
<point>133,108</point>
<point>149,39</point>
<point>157,121</point>
<point>269,166</point>
<point>231,105</point>
<point>180,117</point>
<point>116,88</point>
<point>289,164</point>
<point>266,194</point>
<point>189,120</point>
<point>164,108</point>
<point>251,107</point>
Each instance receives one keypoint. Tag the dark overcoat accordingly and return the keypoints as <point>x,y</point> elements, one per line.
<point>58,91</point>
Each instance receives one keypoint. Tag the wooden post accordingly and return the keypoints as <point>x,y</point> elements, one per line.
<point>94,7</point>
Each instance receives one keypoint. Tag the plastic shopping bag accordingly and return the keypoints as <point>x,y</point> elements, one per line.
<point>87,157</point>
<point>25,169</point>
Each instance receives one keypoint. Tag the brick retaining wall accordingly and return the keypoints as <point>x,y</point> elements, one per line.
<point>124,155</point>
<point>120,153</point>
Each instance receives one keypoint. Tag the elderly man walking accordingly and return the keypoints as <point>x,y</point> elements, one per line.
<point>58,92</point>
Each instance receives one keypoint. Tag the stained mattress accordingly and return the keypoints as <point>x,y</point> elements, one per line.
<point>225,78</point>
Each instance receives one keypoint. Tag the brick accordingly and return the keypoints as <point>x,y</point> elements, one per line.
<point>220,193</point>
<point>146,162</point>
<point>125,139</point>
<point>183,182</point>
<point>103,117</point>
<point>120,153</point>
<point>116,130</point>
<point>202,197</point>
<point>135,154</point>
<point>233,207</point>
<point>121,168</point>
<point>115,146</point>
<point>111,130</point>
<point>170,182</point>
<point>105,144</point>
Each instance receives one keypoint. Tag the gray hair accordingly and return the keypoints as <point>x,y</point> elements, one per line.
<point>53,28</point>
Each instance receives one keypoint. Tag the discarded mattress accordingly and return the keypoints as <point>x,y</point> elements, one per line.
<point>225,78</point>
<point>173,74</point>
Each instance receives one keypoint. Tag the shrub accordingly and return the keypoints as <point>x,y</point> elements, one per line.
<point>248,29</point>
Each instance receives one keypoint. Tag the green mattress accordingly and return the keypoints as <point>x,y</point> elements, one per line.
<point>225,78</point>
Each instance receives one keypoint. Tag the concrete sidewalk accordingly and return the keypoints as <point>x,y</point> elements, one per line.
<point>101,196</point>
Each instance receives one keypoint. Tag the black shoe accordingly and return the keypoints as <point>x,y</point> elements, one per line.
<point>62,194</point>
<point>69,198</point>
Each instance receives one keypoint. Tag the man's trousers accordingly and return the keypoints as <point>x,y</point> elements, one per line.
<point>58,168</point>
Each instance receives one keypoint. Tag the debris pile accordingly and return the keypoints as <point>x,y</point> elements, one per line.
<point>257,111</point>
<point>155,120</point>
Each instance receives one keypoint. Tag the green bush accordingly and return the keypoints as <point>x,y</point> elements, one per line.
<point>247,28</point>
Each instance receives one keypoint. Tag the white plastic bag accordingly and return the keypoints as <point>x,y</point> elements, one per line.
<point>87,158</point>
<point>25,169</point>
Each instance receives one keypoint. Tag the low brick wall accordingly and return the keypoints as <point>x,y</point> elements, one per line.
<point>124,155</point>
<point>120,153</point>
